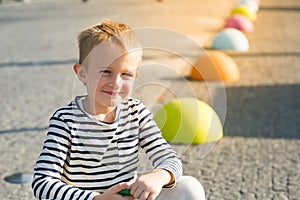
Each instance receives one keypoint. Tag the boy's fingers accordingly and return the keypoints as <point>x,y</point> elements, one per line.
<point>128,197</point>
<point>120,186</point>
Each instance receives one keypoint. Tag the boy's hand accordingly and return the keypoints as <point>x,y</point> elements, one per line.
<point>148,186</point>
<point>113,193</point>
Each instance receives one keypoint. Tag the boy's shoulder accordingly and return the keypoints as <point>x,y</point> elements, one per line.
<point>134,106</point>
<point>131,100</point>
<point>69,109</point>
<point>133,103</point>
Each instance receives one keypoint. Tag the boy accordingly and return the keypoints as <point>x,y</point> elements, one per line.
<point>91,150</point>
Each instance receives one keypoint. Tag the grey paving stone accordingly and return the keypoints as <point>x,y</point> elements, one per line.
<point>259,156</point>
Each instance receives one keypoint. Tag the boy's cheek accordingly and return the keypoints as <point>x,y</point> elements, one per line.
<point>130,87</point>
<point>126,92</point>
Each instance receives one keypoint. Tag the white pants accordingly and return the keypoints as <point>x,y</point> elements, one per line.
<point>187,188</point>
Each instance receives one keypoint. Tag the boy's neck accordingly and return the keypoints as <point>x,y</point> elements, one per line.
<point>106,114</point>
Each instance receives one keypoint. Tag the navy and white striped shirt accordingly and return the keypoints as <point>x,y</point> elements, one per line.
<point>82,155</point>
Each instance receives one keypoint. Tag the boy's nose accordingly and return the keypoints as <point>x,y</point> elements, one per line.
<point>116,81</point>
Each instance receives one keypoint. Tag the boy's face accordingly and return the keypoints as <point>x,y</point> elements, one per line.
<point>110,75</point>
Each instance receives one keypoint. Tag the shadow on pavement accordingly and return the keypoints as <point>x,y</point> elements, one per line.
<point>261,54</point>
<point>46,63</point>
<point>277,8</point>
<point>263,111</point>
<point>23,130</point>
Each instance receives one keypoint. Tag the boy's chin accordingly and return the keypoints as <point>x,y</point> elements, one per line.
<point>114,102</point>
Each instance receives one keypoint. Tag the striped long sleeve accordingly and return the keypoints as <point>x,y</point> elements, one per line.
<point>155,146</point>
<point>83,156</point>
<point>50,167</point>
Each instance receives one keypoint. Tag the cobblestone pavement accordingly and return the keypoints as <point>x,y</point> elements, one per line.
<point>259,156</point>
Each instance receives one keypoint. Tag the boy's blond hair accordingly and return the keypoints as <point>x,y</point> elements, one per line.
<point>106,31</point>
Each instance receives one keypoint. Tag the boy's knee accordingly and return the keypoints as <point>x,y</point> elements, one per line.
<point>191,188</point>
<point>187,188</point>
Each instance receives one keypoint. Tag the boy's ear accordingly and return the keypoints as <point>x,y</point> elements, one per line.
<point>80,72</point>
<point>137,74</point>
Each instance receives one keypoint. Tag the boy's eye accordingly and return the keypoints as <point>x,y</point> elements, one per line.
<point>128,74</point>
<point>105,71</point>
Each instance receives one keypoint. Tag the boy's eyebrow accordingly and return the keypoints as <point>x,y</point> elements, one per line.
<point>111,67</point>
<point>104,67</point>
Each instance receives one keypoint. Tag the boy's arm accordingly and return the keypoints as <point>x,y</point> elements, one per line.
<point>47,182</point>
<point>157,149</point>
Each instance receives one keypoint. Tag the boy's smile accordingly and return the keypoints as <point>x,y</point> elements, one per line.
<point>112,93</point>
<point>108,73</point>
